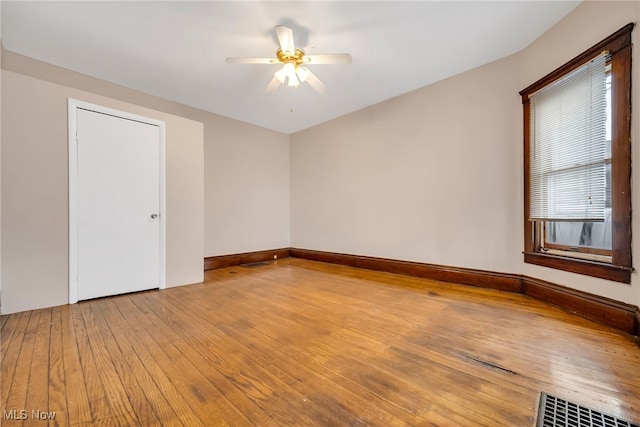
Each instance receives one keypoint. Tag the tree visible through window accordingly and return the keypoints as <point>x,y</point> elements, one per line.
<point>577,147</point>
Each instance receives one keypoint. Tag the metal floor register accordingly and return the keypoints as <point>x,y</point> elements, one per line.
<point>555,412</point>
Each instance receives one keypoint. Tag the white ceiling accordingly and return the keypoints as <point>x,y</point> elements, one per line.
<point>177,49</point>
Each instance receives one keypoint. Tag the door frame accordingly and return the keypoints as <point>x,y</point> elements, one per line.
<point>73,106</point>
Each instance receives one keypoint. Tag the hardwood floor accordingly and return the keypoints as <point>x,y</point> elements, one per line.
<point>305,343</point>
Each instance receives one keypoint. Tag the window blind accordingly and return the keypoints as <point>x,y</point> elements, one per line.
<point>567,149</point>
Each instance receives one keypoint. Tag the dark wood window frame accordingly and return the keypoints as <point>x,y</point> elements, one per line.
<point>620,267</point>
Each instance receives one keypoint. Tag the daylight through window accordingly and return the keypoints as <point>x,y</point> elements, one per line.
<point>577,150</point>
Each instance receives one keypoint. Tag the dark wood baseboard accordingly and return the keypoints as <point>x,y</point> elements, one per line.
<point>625,317</point>
<point>605,310</point>
<point>464,276</point>
<point>222,261</point>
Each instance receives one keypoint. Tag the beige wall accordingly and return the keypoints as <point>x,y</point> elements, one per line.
<point>588,24</point>
<point>247,182</point>
<point>432,176</point>
<point>35,192</point>
<point>0,163</point>
<point>436,175</point>
<point>234,190</point>
<point>246,166</point>
<point>425,177</point>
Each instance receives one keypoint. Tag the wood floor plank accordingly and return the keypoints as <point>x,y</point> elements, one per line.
<point>519,299</point>
<point>170,408</point>
<point>247,377</point>
<point>13,336</point>
<point>326,389</point>
<point>297,342</point>
<point>360,338</point>
<point>57,403</point>
<point>266,333</point>
<point>426,380</point>
<point>206,393</point>
<point>409,398</point>
<point>239,340</point>
<point>99,397</point>
<point>38,384</point>
<point>389,379</point>
<point>127,398</point>
<point>78,406</point>
<point>17,398</point>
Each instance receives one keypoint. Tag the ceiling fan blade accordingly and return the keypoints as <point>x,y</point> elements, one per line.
<point>272,86</point>
<point>285,37</point>
<point>314,82</point>
<point>330,58</point>
<point>252,60</point>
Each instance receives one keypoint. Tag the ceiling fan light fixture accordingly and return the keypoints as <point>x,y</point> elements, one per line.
<point>293,81</point>
<point>288,71</point>
<point>302,73</point>
<point>293,60</point>
<point>281,75</point>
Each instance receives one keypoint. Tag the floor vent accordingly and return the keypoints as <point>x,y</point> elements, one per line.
<point>555,412</point>
<point>255,264</point>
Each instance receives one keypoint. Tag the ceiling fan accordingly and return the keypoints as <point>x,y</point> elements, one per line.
<point>294,70</point>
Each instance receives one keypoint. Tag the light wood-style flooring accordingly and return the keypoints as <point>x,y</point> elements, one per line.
<point>299,343</point>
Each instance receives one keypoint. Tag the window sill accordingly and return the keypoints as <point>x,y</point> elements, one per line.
<point>597,269</point>
<point>605,259</point>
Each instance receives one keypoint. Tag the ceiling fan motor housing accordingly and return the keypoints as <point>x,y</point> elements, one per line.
<point>296,57</point>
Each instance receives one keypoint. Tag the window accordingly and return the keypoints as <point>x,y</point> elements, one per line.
<point>589,237</point>
<point>577,150</point>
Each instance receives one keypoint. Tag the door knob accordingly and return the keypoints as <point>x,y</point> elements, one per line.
<point>154,216</point>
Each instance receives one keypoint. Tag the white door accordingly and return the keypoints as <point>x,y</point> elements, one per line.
<point>117,205</point>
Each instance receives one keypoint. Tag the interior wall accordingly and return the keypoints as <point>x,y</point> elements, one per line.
<point>436,175</point>
<point>35,192</point>
<point>589,23</point>
<point>246,167</point>
<point>241,174</point>
<point>432,176</point>
<point>247,189</point>
<point>0,162</point>
<point>428,176</point>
